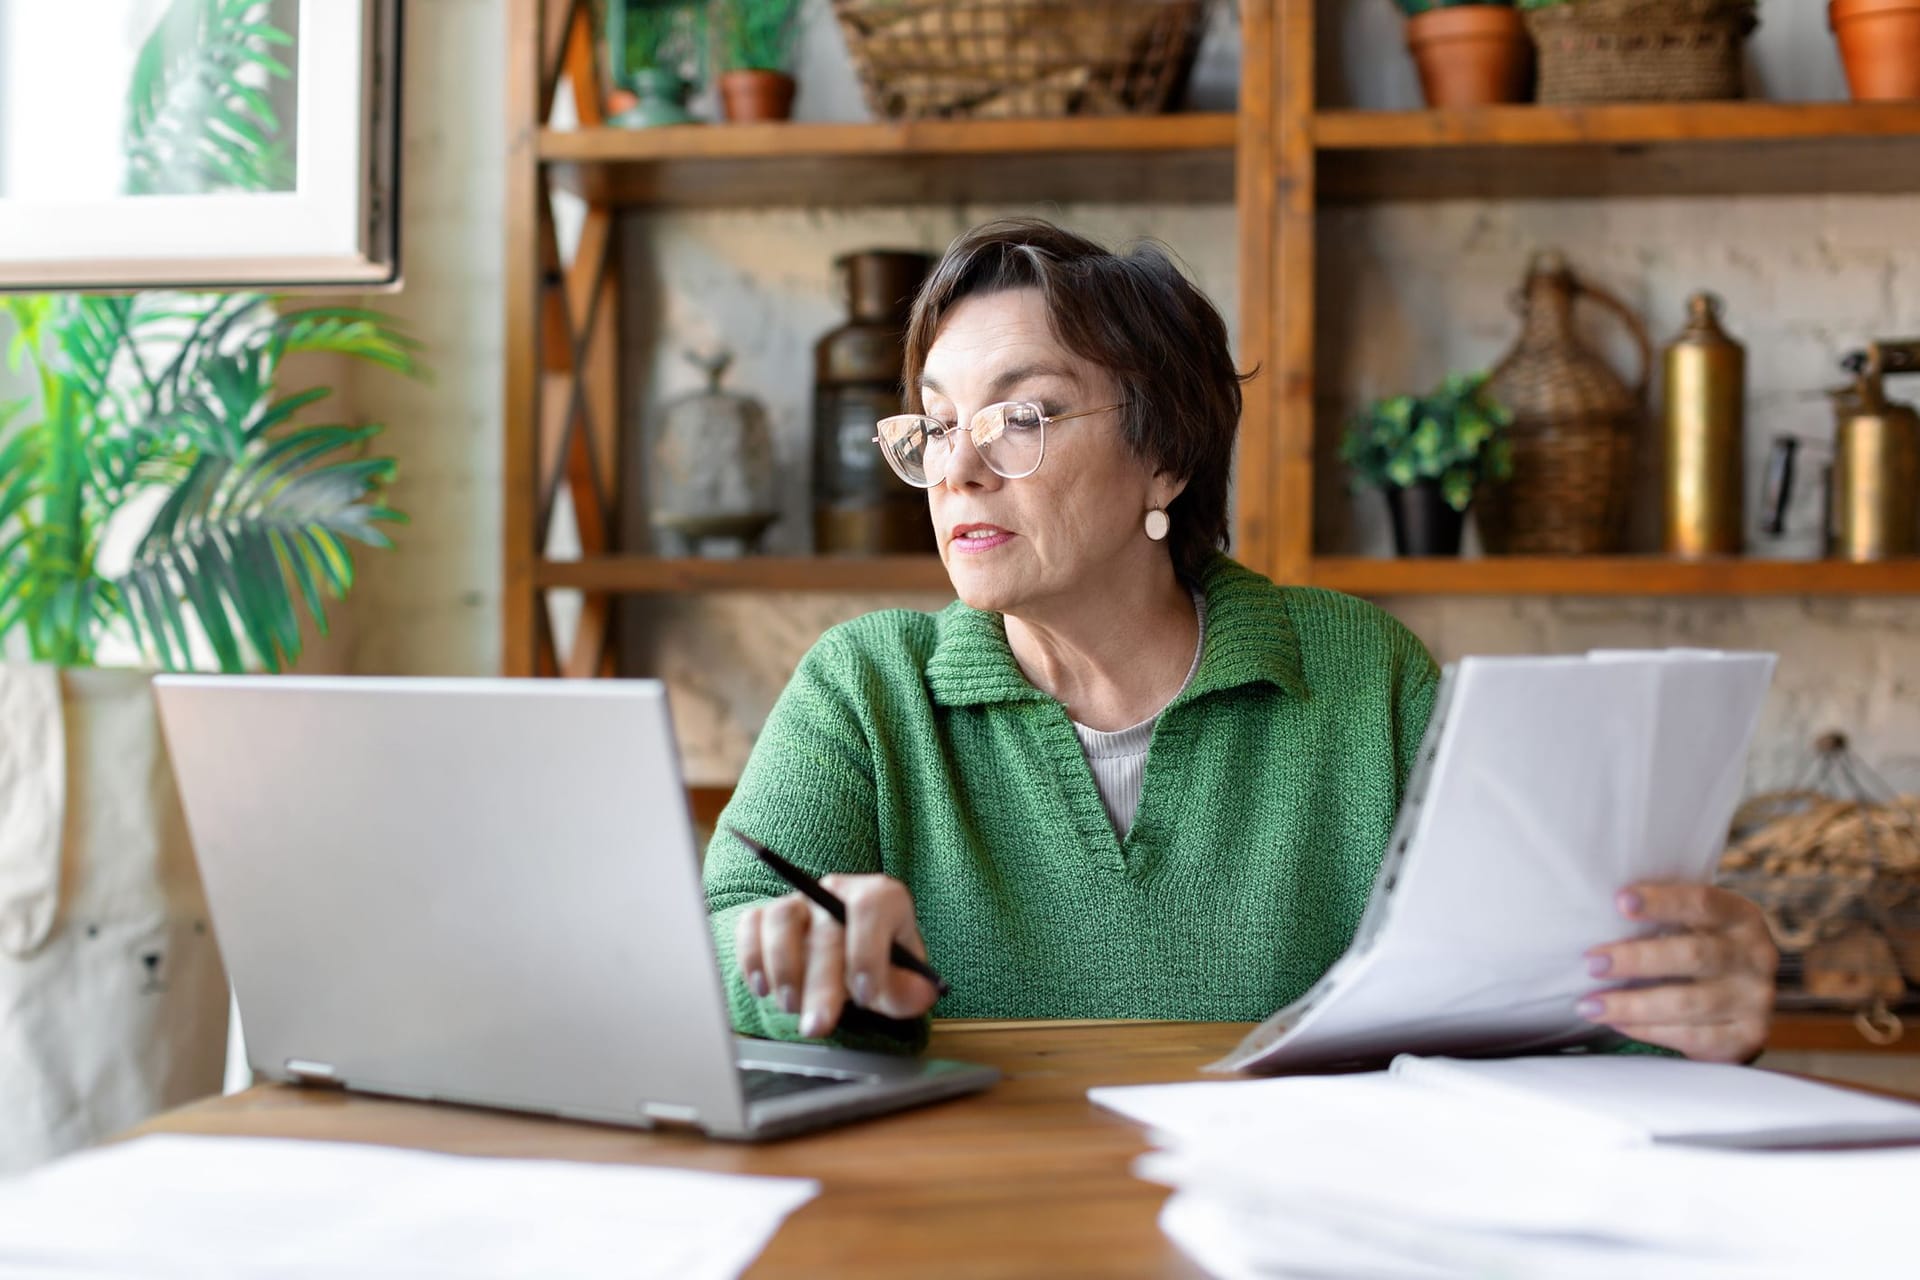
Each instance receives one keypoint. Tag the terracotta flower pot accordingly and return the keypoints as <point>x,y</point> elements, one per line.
<point>1880,45</point>
<point>756,95</point>
<point>1471,55</point>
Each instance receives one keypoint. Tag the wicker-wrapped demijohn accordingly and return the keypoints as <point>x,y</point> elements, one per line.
<point>1574,424</point>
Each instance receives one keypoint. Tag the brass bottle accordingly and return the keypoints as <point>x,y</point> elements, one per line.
<point>1703,436</point>
<point>1876,459</point>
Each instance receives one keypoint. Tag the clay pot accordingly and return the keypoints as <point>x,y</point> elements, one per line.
<point>1880,45</point>
<point>756,95</point>
<point>1472,55</point>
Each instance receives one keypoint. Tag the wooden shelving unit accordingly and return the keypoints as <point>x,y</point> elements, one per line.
<point>1162,158</point>
<point>1613,576</point>
<point>1279,158</point>
<point>1693,149</point>
<point>637,575</point>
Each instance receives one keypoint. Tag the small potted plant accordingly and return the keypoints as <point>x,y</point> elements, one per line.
<point>1880,45</point>
<point>1429,453</point>
<point>1470,53</point>
<point>648,44</point>
<point>756,42</point>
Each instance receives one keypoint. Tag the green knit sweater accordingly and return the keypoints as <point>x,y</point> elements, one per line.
<point>911,744</point>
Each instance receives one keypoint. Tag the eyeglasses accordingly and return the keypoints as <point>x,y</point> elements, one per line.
<point>1011,438</point>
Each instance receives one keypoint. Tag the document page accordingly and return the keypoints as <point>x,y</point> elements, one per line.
<point>1545,786</point>
<point>191,1207</point>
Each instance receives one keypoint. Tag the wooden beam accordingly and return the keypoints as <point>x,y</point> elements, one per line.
<point>583,67</point>
<point>519,598</point>
<point>1296,302</point>
<point>1254,202</point>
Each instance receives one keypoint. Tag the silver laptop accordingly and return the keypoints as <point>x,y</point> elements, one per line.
<point>486,892</point>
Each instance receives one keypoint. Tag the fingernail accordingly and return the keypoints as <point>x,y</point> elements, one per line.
<point>757,983</point>
<point>861,988</point>
<point>1629,902</point>
<point>814,1025</point>
<point>1599,966</point>
<point>789,1002</point>
<point>1591,1007</point>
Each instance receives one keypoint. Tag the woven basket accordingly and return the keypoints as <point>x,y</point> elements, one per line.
<point>996,58</point>
<point>1574,425</point>
<point>1641,50</point>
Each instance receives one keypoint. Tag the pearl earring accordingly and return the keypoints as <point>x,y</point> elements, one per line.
<point>1157,523</point>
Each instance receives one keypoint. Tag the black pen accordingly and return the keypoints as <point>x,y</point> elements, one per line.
<point>829,903</point>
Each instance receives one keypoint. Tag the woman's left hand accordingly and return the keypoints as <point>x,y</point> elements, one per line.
<point>1710,976</point>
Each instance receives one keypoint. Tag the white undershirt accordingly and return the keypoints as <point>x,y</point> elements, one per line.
<point>1119,759</point>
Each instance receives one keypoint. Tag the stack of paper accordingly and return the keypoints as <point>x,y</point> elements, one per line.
<point>168,1207</point>
<point>1567,1167</point>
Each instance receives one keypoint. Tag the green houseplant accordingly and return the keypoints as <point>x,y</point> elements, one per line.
<point>1469,52</point>
<point>650,43</point>
<point>1429,453</point>
<point>162,504</point>
<point>756,40</point>
<point>156,394</point>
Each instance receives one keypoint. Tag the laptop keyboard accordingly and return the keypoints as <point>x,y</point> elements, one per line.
<point>762,1085</point>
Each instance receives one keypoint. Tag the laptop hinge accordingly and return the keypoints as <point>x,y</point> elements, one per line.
<point>312,1072</point>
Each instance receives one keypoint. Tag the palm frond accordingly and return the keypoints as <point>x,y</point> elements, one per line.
<point>197,120</point>
<point>242,542</point>
<point>348,331</point>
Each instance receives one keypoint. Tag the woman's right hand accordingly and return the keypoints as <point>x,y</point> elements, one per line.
<point>802,956</point>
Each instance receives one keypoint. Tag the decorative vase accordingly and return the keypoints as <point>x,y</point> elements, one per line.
<point>752,94</point>
<point>1574,425</point>
<point>1880,45</point>
<point>115,996</point>
<point>712,478</point>
<point>662,98</point>
<point>1471,55</point>
<point>860,506</point>
<point>1423,523</point>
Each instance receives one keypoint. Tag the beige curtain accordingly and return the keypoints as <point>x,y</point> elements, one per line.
<point>113,1003</point>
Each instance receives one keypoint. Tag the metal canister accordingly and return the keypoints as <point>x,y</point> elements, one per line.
<point>1703,436</point>
<point>1876,459</point>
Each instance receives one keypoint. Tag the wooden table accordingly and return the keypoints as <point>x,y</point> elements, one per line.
<point>1028,1178</point>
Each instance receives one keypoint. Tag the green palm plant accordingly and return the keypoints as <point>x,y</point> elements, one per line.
<point>258,512</point>
<point>199,117</point>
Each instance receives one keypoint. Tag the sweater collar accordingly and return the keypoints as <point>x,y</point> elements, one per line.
<point>1250,639</point>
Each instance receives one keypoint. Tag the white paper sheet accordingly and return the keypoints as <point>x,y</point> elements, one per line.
<point>1546,786</point>
<point>195,1208</point>
<point>1381,1176</point>
<point>1672,1100</point>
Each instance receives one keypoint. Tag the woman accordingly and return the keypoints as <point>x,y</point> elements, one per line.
<point>977,784</point>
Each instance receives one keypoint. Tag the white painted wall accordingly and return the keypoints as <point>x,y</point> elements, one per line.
<point>1410,291</point>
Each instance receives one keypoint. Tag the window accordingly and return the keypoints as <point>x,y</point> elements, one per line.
<point>178,143</point>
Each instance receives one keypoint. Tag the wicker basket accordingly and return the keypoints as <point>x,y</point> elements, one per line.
<point>997,58</point>
<point>1575,421</point>
<point>1641,50</point>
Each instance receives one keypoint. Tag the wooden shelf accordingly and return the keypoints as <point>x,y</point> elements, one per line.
<point>1711,148</point>
<point>640,575</point>
<point>1187,157</point>
<point>1615,576</point>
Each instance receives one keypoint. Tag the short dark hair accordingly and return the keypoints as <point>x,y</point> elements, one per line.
<point>1135,315</point>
